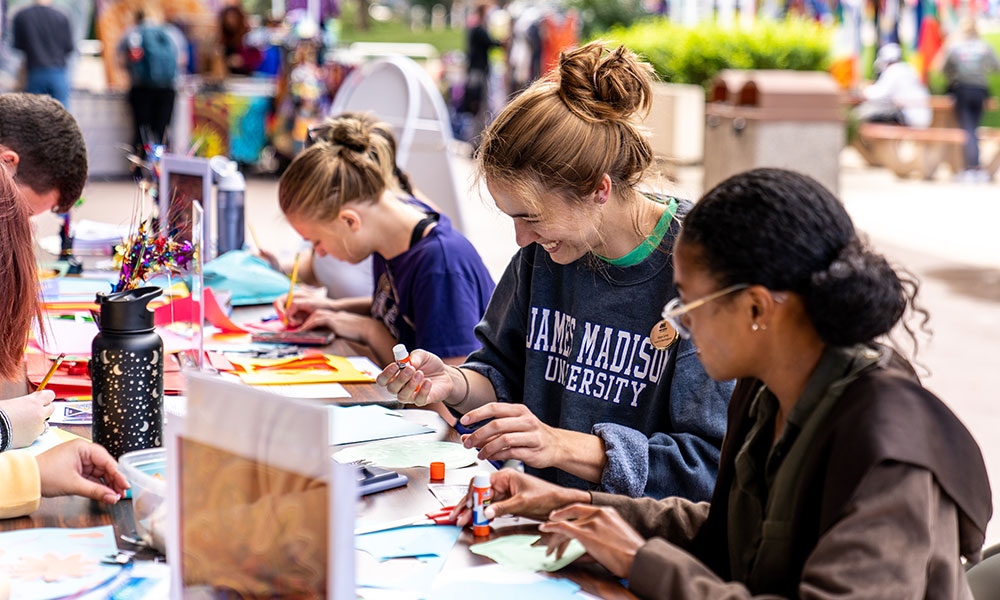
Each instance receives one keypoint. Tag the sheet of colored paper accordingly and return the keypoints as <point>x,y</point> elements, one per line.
<point>63,383</point>
<point>401,454</point>
<point>365,365</point>
<point>324,368</point>
<point>75,338</point>
<point>65,335</point>
<point>419,541</point>
<point>76,289</point>
<point>430,545</point>
<point>52,437</point>
<point>316,391</point>
<point>56,562</point>
<point>72,413</point>
<point>517,552</point>
<point>186,310</point>
<point>496,582</point>
<point>351,424</point>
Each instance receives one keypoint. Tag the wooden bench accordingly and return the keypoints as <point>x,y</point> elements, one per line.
<point>881,144</point>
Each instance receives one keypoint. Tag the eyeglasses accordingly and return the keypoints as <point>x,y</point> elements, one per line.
<point>674,309</point>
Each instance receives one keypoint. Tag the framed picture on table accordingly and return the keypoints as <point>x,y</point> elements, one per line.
<point>183,181</point>
<point>257,506</point>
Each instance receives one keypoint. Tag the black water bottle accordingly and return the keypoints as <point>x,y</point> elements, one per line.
<point>126,368</point>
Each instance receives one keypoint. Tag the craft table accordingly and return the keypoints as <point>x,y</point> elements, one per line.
<point>383,506</point>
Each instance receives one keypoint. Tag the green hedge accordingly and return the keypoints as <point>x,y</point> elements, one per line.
<point>696,54</point>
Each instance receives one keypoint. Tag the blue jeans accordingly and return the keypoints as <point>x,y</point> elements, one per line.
<point>51,81</point>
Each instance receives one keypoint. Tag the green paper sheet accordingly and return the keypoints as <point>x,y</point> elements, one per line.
<point>401,454</point>
<point>517,552</point>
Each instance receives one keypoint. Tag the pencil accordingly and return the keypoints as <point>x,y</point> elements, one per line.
<point>253,234</point>
<point>52,371</point>
<point>291,288</point>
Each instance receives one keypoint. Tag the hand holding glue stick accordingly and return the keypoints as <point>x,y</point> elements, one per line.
<point>422,378</point>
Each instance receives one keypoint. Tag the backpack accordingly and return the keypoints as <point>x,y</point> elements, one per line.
<point>153,57</point>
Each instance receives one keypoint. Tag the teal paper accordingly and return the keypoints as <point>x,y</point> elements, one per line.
<point>418,541</point>
<point>249,278</point>
<point>517,552</point>
<point>20,548</point>
<point>351,424</point>
<point>431,544</point>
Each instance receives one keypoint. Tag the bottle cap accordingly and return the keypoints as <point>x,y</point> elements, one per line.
<point>126,311</point>
<point>399,352</point>
<point>481,480</point>
<point>437,471</point>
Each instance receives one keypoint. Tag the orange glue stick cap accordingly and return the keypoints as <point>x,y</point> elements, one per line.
<point>437,471</point>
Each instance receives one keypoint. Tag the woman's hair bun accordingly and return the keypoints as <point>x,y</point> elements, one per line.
<point>349,132</point>
<point>857,298</point>
<point>601,84</point>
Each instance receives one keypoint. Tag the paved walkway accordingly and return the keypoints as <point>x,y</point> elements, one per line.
<point>945,233</point>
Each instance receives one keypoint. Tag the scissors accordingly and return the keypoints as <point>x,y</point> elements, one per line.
<point>439,517</point>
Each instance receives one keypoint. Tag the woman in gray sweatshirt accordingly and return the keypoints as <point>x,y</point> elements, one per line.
<point>577,377</point>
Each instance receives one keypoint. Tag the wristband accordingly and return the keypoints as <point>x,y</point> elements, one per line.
<point>461,372</point>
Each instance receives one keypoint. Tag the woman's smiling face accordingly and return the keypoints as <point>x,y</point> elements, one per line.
<point>567,231</point>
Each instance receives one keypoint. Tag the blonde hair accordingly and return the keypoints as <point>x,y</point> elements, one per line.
<point>567,130</point>
<point>350,161</point>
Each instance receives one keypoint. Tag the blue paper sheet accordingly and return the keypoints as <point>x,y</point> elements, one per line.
<point>250,279</point>
<point>419,541</point>
<point>28,555</point>
<point>350,424</point>
<point>76,289</point>
<point>431,544</point>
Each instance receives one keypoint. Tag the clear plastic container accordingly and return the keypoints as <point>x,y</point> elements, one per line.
<point>146,471</point>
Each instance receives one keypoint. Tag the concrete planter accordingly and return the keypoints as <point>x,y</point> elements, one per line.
<point>677,122</point>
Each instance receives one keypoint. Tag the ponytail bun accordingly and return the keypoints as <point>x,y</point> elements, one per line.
<point>856,299</point>
<point>601,84</point>
<point>350,133</point>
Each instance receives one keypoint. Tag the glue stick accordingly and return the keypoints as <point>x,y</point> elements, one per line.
<point>482,493</point>
<point>401,355</point>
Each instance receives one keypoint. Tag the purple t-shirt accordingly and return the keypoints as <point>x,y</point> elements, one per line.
<point>433,295</point>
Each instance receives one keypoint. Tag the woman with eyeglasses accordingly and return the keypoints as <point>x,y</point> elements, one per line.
<point>840,476</point>
<point>430,287</point>
<point>576,378</point>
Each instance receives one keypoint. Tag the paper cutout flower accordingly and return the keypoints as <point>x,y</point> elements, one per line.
<point>52,567</point>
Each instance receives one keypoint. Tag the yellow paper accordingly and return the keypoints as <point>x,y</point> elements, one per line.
<point>345,372</point>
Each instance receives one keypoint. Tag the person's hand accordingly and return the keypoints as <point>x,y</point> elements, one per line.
<point>424,381</point>
<point>77,468</point>
<point>602,531</point>
<point>269,258</point>
<point>347,325</point>
<point>515,432</point>
<point>27,415</point>
<point>515,493</point>
<point>303,305</point>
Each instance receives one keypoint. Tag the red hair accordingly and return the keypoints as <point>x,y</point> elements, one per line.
<point>19,303</point>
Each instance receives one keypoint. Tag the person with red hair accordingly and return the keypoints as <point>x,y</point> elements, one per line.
<point>76,467</point>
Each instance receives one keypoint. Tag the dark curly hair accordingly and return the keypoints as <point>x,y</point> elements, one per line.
<point>49,143</point>
<point>785,231</point>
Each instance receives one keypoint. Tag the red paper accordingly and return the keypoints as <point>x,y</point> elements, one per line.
<point>185,310</point>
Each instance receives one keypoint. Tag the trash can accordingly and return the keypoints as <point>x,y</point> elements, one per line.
<point>786,119</point>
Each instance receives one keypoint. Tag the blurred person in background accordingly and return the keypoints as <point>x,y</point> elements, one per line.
<point>153,53</point>
<point>475,101</point>
<point>898,96</point>
<point>967,62</point>
<point>45,37</point>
